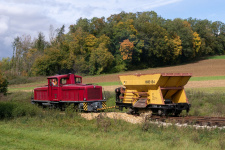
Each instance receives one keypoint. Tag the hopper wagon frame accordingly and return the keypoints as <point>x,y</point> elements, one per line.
<point>161,93</point>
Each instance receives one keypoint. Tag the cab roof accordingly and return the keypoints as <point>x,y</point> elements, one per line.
<point>64,76</point>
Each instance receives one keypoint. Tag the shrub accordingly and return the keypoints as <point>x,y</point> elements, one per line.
<point>5,110</point>
<point>14,109</point>
<point>3,85</point>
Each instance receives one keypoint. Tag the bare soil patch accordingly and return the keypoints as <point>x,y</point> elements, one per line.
<point>200,84</point>
<point>211,67</point>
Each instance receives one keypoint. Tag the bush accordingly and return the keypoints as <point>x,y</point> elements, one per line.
<point>14,109</point>
<point>3,85</point>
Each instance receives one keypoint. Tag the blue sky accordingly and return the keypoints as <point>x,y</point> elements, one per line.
<point>28,17</point>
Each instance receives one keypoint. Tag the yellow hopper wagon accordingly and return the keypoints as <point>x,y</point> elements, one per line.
<point>160,94</point>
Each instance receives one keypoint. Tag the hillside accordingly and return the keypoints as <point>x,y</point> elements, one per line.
<point>209,67</point>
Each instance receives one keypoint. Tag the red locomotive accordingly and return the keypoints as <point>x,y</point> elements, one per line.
<point>68,89</point>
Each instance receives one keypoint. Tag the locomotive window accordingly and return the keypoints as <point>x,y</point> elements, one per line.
<point>78,80</point>
<point>54,81</point>
<point>63,81</point>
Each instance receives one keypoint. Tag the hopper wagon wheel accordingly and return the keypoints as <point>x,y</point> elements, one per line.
<point>177,113</point>
<point>131,111</point>
<point>146,114</point>
<point>163,112</point>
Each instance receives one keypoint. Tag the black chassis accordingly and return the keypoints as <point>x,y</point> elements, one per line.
<point>166,109</point>
<point>91,105</point>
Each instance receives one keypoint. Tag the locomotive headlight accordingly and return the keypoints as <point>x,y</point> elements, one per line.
<point>84,99</point>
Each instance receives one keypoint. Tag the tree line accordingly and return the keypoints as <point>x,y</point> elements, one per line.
<point>124,41</point>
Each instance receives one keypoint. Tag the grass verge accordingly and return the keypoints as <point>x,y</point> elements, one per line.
<point>207,78</point>
<point>209,90</point>
<point>217,57</point>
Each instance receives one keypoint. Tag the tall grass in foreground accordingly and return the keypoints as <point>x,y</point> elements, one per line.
<point>53,129</point>
<point>206,104</point>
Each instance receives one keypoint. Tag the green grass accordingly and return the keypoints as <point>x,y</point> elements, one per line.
<point>108,83</point>
<point>208,89</point>
<point>53,129</point>
<point>63,132</point>
<point>217,57</point>
<point>207,78</point>
<point>14,89</point>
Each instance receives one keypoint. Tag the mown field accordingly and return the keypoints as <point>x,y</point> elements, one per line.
<point>25,126</point>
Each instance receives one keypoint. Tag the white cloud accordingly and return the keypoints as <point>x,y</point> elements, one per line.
<point>156,3</point>
<point>3,24</point>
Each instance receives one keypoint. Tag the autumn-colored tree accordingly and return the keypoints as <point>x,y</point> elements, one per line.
<point>196,43</point>
<point>90,42</point>
<point>173,50</point>
<point>176,46</point>
<point>126,49</point>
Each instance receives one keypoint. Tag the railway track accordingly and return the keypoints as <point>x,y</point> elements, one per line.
<point>192,120</point>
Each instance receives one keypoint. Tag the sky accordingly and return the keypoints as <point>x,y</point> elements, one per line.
<point>29,17</point>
